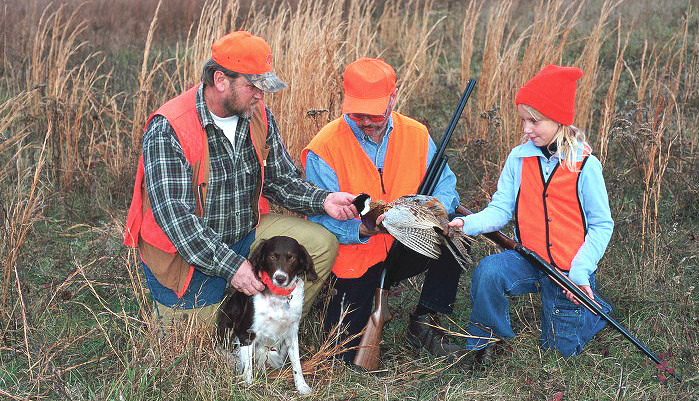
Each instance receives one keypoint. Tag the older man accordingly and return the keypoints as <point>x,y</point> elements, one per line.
<point>374,150</point>
<point>210,158</point>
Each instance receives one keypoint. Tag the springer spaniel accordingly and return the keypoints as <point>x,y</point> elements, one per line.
<point>265,326</point>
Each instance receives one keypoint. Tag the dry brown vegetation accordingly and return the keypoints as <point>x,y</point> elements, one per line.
<point>79,79</point>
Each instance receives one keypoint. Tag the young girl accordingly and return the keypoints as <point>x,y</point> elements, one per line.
<point>552,186</point>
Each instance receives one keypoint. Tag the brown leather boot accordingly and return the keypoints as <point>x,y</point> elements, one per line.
<point>486,356</point>
<point>422,334</point>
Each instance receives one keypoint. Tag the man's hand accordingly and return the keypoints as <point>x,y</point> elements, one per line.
<point>338,205</point>
<point>584,288</point>
<point>245,281</point>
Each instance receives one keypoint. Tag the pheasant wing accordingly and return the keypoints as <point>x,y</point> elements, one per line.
<point>414,228</point>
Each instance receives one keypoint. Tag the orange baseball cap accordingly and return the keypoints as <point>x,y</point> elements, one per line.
<point>249,55</point>
<point>369,84</point>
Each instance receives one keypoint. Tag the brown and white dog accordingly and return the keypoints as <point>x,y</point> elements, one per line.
<point>264,328</point>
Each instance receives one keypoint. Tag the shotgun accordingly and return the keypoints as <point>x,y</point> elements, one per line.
<point>565,283</point>
<point>368,352</point>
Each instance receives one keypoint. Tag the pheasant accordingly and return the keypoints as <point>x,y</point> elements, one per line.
<point>417,221</point>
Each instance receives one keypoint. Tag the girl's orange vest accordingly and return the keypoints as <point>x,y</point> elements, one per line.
<point>404,167</point>
<point>156,249</point>
<point>549,216</point>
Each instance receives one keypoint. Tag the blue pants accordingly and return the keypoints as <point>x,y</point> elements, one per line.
<point>564,326</point>
<point>203,290</point>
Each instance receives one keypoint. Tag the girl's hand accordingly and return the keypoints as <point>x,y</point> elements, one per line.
<point>457,223</point>
<point>584,288</point>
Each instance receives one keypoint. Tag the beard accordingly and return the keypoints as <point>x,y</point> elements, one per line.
<point>233,106</point>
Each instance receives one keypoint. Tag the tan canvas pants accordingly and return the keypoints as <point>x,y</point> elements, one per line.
<point>202,317</point>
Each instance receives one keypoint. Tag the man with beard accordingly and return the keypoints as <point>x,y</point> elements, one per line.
<point>211,158</point>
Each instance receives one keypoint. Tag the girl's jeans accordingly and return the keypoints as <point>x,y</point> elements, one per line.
<point>564,326</point>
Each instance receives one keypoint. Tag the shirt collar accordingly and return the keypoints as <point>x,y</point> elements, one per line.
<point>528,149</point>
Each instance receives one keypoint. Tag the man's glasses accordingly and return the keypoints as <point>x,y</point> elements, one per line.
<point>357,117</point>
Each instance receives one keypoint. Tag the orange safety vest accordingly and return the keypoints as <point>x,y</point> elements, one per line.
<point>548,215</point>
<point>156,250</point>
<point>404,167</point>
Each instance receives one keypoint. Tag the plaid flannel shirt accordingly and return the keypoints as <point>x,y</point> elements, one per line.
<point>233,176</point>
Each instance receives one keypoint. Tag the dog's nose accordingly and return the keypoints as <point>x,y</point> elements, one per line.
<point>280,278</point>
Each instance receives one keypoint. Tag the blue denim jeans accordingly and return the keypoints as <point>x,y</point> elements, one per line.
<point>564,326</point>
<point>203,290</point>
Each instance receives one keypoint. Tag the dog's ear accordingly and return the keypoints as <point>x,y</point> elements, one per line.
<point>257,256</point>
<point>306,263</point>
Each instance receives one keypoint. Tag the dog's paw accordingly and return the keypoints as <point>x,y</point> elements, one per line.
<point>304,389</point>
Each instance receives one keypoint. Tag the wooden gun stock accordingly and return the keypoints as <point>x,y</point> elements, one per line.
<point>368,353</point>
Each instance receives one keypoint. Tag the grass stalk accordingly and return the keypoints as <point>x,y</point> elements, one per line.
<point>589,63</point>
<point>468,32</point>
<point>609,105</point>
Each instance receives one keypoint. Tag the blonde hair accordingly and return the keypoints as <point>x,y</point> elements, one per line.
<point>568,140</point>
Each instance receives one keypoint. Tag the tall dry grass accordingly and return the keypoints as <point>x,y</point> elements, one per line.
<point>59,79</point>
<point>468,32</point>
<point>326,36</point>
<point>21,205</point>
<point>71,91</point>
<point>25,208</point>
<point>509,59</point>
<point>414,43</point>
<point>308,39</point>
<point>660,119</point>
<point>588,61</point>
<point>609,105</point>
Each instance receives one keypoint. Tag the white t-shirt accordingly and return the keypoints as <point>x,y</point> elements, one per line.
<point>228,125</point>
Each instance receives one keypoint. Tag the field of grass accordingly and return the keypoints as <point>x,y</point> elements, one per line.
<point>77,81</point>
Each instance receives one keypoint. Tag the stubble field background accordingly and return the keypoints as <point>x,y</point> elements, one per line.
<point>79,79</point>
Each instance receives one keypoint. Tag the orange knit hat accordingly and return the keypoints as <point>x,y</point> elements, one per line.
<point>249,55</point>
<point>369,84</point>
<point>552,93</point>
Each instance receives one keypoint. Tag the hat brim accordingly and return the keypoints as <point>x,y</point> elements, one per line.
<point>376,106</point>
<point>267,82</point>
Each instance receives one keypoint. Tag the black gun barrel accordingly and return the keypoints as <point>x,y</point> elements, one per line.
<point>434,171</point>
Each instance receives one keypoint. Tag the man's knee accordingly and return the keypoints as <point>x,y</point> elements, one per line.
<point>321,241</point>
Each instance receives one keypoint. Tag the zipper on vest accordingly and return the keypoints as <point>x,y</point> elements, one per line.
<point>383,189</point>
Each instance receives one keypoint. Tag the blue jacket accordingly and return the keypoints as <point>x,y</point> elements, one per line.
<point>591,192</point>
<point>321,174</point>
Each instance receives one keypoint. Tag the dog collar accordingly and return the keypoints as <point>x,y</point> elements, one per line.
<point>276,290</point>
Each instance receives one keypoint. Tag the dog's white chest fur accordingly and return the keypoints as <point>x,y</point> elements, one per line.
<point>276,316</point>
<point>276,326</point>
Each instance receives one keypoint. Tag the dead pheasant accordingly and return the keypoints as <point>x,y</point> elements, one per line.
<point>417,221</point>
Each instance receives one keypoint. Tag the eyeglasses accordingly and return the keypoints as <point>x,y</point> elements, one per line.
<point>357,117</point>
